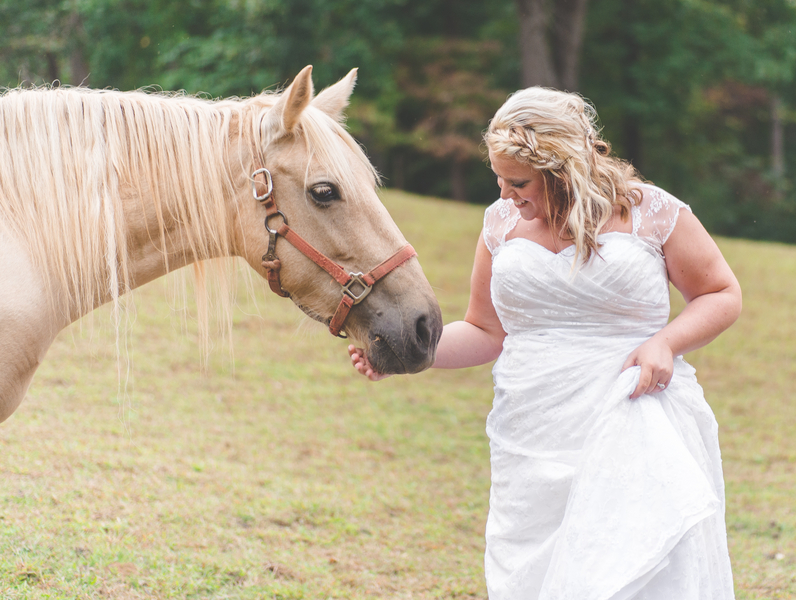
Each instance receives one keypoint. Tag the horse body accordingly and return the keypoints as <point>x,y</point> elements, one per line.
<point>102,192</point>
<point>28,325</point>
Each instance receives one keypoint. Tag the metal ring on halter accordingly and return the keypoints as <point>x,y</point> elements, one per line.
<point>277,213</point>
<point>356,278</point>
<point>269,184</point>
<point>661,385</point>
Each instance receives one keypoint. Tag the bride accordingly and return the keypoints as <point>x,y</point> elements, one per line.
<point>606,471</point>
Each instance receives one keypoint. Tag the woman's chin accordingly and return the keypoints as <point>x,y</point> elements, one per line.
<point>529,212</point>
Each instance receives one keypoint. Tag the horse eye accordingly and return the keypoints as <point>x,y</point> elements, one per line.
<point>324,193</point>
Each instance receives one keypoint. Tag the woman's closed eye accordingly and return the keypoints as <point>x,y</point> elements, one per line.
<point>517,185</point>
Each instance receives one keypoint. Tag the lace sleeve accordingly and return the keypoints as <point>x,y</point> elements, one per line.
<point>655,218</point>
<point>499,218</point>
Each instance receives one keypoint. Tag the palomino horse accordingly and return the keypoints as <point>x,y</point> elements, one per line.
<point>104,191</point>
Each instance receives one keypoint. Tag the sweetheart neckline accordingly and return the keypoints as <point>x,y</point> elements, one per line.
<point>563,250</point>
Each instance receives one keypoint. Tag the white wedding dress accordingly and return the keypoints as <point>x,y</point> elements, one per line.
<point>595,496</point>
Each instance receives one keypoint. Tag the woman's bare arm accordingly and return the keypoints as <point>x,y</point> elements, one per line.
<point>713,302</point>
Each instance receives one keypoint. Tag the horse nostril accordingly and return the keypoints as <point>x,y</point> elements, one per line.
<point>423,331</point>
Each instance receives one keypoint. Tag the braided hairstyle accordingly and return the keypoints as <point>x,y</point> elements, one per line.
<point>556,133</point>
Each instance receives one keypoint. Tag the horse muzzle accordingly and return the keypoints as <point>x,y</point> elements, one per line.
<point>402,333</point>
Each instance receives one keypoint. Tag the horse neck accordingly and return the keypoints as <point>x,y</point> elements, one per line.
<point>112,189</point>
<point>176,194</point>
<point>175,214</point>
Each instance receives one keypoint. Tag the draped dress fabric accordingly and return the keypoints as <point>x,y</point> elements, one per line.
<point>595,496</point>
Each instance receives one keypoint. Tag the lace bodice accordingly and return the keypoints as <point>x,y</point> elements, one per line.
<point>653,219</point>
<point>622,290</point>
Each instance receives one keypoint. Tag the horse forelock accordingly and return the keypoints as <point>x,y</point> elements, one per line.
<point>325,137</point>
<point>328,144</point>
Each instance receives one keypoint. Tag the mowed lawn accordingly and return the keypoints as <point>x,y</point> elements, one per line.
<point>278,472</point>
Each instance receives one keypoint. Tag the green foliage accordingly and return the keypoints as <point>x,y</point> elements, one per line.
<point>447,95</point>
<point>686,89</point>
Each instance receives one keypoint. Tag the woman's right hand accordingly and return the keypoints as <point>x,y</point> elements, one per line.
<point>362,364</point>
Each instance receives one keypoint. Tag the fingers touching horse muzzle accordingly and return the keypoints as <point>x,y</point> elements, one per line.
<point>401,340</point>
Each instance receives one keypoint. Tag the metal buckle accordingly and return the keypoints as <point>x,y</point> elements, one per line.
<point>269,184</point>
<point>356,278</point>
<point>278,213</point>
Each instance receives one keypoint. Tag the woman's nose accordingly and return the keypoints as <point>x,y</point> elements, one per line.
<point>505,189</point>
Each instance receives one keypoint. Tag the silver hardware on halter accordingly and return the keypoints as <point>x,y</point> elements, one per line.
<point>347,291</point>
<point>278,213</point>
<point>269,184</point>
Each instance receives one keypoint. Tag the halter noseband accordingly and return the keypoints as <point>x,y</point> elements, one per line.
<point>272,264</point>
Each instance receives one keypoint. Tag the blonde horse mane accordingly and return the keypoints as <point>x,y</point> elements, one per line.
<point>71,157</point>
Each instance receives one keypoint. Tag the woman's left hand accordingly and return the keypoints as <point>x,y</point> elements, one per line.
<point>697,269</point>
<point>657,365</point>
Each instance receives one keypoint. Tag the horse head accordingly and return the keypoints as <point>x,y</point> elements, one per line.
<point>325,188</point>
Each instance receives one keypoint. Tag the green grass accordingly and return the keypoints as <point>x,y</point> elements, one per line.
<point>291,477</point>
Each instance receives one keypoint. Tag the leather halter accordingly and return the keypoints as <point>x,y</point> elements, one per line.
<point>272,264</point>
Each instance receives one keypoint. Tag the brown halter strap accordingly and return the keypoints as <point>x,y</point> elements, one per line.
<point>272,264</point>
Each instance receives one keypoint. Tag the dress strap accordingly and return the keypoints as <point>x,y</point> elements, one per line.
<point>499,219</point>
<point>655,217</point>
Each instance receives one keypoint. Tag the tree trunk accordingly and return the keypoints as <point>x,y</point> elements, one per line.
<point>633,143</point>
<point>78,66</point>
<point>568,18</point>
<point>451,22</point>
<point>25,77</point>
<point>53,74</point>
<point>777,139</point>
<point>537,66</point>
<point>458,181</point>
<point>398,179</point>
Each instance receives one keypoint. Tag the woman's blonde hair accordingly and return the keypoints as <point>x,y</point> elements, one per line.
<point>556,133</point>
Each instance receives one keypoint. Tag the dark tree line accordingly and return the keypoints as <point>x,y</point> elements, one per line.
<point>700,95</point>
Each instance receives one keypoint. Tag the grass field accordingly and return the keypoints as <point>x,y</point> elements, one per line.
<point>291,477</point>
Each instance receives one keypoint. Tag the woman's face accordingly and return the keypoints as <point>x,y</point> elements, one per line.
<point>522,184</point>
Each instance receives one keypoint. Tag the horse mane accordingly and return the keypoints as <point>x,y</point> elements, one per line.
<point>70,156</point>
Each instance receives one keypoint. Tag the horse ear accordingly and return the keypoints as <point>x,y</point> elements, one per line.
<point>334,99</point>
<point>293,101</point>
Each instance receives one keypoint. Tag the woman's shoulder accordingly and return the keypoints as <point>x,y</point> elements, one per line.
<point>655,215</point>
<point>500,218</point>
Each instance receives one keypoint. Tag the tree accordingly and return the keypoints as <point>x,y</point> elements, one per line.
<point>698,94</point>
<point>550,40</point>
<point>685,89</point>
<point>448,98</point>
